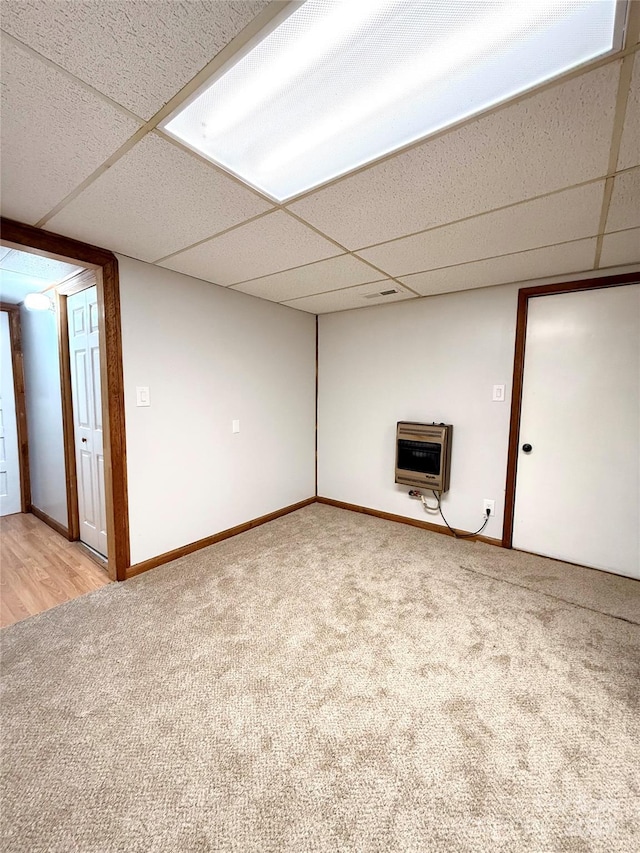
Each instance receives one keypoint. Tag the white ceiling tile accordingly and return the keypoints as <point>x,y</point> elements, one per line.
<point>534,264</point>
<point>624,208</point>
<point>47,269</point>
<point>138,52</point>
<point>352,297</point>
<point>623,247</point>
<point>4,251</point>
<point>25,272</point>
<point>54,134</point>
<point>630,143</point>
<point>270,244</point>
<point>156,200</point>
<point>569,215</point>
<point>551,140</point>
<point>332,274</point>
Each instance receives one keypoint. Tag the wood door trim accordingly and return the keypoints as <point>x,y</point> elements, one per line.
<point>68,430</point>
<point>77,283</point>
<point>17,366</point>
<point>524,294</point>
<point>105,262</point>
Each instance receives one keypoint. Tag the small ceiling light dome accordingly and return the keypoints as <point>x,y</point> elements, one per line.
<point>337,84</point>
<point>37,302</point>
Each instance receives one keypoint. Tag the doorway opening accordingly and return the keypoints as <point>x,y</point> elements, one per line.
<point>85,309</point>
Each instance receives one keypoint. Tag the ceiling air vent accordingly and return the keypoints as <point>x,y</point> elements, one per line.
<point>380,293</point>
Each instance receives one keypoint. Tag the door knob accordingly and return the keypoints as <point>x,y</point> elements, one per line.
<point>527,448</point>
<point>85,440</point>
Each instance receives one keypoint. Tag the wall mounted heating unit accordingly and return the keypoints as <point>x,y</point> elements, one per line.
<point>423,455</point>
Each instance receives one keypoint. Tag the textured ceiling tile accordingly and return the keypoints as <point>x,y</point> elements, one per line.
<point>54,134</point>
<point>352,297</point>
<point>622,247</point>
<point>138,52</point>
<point>47,269</point>
<point>534,264</point>
<point>624,208</point>
<point>549,141</point>
<point>630,143</point>
<point>343,271</point>
<point>569,215</point>
<point>156,200</point>
<point>273,243</point>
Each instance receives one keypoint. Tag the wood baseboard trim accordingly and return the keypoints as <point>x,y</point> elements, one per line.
<point>413,522</point>
<point>169,556</point>
<point>51,522</point>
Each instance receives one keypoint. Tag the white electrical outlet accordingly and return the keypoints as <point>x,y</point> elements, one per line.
<point>489,505</point>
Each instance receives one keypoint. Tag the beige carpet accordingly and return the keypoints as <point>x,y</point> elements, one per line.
<point>329,682</point>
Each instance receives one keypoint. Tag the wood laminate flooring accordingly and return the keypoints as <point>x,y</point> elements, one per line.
<point>39,568</point>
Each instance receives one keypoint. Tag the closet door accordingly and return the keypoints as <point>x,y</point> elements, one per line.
<point>84,352</point>
<point>578,475</point>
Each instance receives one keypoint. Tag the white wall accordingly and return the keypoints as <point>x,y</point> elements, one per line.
<point>44,413</point>
<point>210,355</point>
<point>433,359</point>
<point>426,360</point>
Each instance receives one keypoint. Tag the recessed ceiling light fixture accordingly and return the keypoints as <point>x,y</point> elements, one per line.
<point>336,84</point>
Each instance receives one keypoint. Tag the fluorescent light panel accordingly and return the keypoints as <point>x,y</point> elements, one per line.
<point>339,83</point>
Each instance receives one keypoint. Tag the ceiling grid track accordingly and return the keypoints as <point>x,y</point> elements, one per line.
<point>213,66</point>
<point>353,252</point>
<point>236,44</point>
<point>96,93</point>
<point>538,90</point>
<point>384,274</point>
<point>418,272</point>
<point>618,124</point>
<point>437,250</point>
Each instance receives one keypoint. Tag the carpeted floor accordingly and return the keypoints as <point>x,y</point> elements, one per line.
<point>329,682</point>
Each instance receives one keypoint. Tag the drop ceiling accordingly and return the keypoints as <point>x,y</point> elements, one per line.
<point>547,184</point>
<point>23,272</point>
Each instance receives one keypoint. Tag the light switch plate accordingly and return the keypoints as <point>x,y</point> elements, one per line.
<point>142,396</point>
<point>498,394</point>
<point>235,426</point>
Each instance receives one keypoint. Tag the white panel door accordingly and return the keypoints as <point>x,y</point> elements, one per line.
<point>578,487</point>
<point>84,353</point>
<point>9,461</point>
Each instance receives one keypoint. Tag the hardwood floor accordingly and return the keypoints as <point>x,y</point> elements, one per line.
<point>39,568</point>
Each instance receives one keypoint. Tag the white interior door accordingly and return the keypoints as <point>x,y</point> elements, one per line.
<point>9,460</point>
<point>84,353</point>
<point>578,488</point>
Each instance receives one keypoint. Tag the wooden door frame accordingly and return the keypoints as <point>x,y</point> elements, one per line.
<point>17,366</point>
<point>80,281</point>
<point>524,295</point>
<point>105,265</point>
